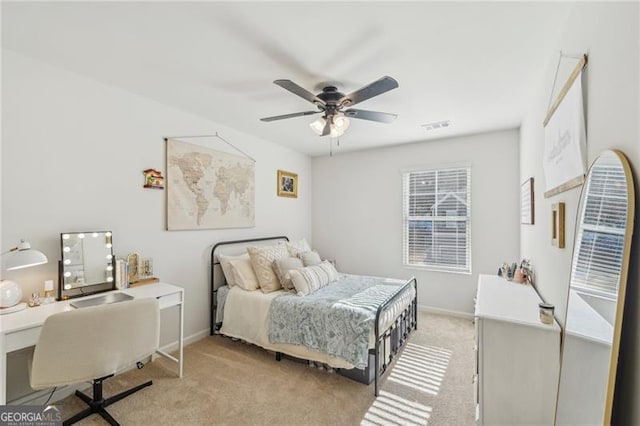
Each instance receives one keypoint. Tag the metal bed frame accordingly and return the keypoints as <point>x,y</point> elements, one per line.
<point>397,333</point>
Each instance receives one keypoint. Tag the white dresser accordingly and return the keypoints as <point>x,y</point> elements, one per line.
<point>517,356</point>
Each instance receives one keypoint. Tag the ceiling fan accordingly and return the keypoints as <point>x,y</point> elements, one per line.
<point>336,106</point>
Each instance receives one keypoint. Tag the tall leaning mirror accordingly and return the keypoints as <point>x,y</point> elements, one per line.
<point>597,286</point>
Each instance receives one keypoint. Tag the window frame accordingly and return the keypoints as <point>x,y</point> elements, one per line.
<point>407,219</point>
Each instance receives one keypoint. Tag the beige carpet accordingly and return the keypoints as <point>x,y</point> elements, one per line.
<point>231,383</point>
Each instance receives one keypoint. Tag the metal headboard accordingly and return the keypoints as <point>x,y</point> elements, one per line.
<point>216,282</point>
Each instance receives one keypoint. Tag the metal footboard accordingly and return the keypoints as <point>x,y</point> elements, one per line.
<point>404,323</point>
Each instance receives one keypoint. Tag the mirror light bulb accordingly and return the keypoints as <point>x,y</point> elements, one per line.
<point>65,236</point>
<point>67,262</point>
<point>67,274</point>
<point>94,235</point>
<point>108,256</point>
<point>109,245</point>
<point>108,234</point>
<point>109,279</point>
<point>109,268</point>
<point>67,286</point>
<point>66,249</point>
<point>80,236</point>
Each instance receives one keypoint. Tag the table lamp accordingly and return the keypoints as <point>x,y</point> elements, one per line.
<point>22,256</point>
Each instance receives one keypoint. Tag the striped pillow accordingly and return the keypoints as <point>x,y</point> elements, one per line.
<point>309,279</point>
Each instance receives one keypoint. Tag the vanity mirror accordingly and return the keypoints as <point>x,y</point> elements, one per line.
<point>597,286</point>
<point>87,264</point>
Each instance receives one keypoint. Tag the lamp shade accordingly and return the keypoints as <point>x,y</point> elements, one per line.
<point>23,257</point>
<point>318,126</point>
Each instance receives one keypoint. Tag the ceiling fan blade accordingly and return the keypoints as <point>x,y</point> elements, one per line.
<point>363,114</point>
<point>297,90</point>
<point>295,114</point>
<point>376,88</point>
<point>327,127</point>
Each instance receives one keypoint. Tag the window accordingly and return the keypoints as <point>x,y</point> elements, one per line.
<point>437,213</point>
<point>601,233</point>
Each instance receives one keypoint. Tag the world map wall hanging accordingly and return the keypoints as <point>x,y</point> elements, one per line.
<point>208,189</point>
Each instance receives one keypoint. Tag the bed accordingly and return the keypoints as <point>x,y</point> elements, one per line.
<point>355,324</point>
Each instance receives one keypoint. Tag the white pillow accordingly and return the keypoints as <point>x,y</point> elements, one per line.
<point>297,247</point>
<point>226,267</point>
<point>309,279</point>
<point>243,273</point>
<point>282,267</point>
<point>310,258</point>
<point>262,258</point>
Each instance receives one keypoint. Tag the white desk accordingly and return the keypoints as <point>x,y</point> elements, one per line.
<point>22,329</point>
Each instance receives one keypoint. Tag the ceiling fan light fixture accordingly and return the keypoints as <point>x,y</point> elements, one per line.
<point>318,125</point>
<point>341,122</point>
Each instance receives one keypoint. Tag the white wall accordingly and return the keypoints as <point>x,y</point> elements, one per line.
<point>609,33</point>
<point>73,155</point>
<point>357,211</point>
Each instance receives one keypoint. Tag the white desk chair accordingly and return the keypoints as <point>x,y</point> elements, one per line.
<point>91,344</point>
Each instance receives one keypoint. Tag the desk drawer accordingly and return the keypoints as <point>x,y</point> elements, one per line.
<point>170,300</point>
<point>22,339</point>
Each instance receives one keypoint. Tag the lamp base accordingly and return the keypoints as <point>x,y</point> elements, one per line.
<point>16,308</point>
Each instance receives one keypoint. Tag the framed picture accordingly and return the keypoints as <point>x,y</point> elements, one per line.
<point>557,225</point>
<point>526,202</point>
<point>287,184</point>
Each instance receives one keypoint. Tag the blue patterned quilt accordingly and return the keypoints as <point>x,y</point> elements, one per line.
<point>335,320</point>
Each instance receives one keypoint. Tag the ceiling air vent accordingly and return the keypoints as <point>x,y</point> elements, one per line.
<point>437,125</point>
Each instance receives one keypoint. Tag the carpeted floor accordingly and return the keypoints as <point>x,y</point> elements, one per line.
<point>231,383</point>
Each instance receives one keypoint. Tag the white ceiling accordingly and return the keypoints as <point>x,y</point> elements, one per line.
<point>472,63</point>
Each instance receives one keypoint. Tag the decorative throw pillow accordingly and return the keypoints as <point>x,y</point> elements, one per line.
<point>310,258</point>
<point>262,258</point>
<point>282,267</point>
<point>297,247</point>
<point>243,274</point>
<point>226,267</point>
<point>309,279</point>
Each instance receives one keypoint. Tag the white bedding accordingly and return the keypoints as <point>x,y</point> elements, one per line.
<point>246,317</point>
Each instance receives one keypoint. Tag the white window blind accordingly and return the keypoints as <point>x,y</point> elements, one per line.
<point>437,212</point>
<point>600,241</point>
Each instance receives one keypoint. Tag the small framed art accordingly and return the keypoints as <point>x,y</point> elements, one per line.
<point>287,184</point>
<point>526,202</point>
<point>557,225</point>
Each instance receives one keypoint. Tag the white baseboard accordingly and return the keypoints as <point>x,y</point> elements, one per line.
<point>173,346</point>
<point>440,311</point>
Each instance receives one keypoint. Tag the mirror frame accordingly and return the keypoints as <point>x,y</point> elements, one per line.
<point>622,288</point>
<point>88,289</point>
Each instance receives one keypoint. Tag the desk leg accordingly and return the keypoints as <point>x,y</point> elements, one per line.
<point>181,338</point>
<point>3,371</point>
